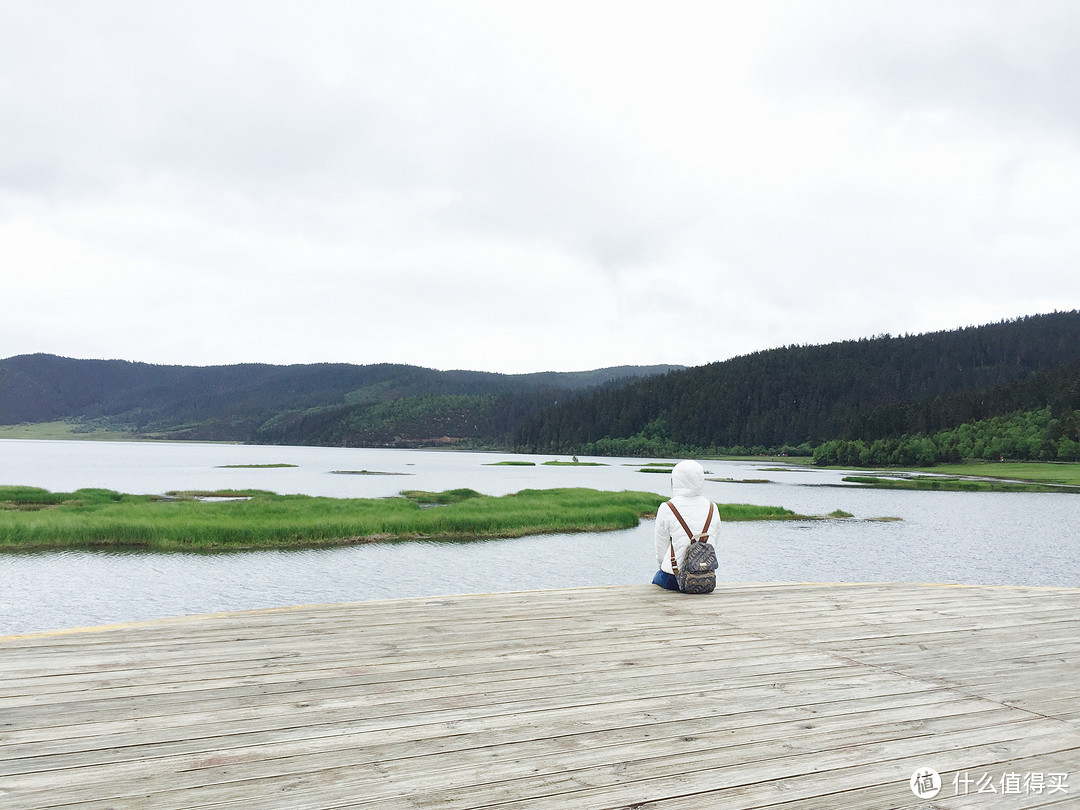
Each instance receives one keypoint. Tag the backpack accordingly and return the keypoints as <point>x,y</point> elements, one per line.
<point>698,572</point>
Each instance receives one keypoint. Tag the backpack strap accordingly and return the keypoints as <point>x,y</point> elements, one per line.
<point>704,533</point>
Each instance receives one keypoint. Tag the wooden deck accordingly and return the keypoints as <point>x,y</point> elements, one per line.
<point>785,696</point>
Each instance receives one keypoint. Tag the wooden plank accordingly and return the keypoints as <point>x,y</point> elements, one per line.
<point>455,735</point>
<point>387,766</point>
<point>736,782</point>
<point>302,711</point>
<point>763,724</point>
<point>732,777</point>
<point>759,695</point>
<point>888,788</point>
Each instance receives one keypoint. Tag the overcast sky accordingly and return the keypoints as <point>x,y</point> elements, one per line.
<point>524,186</point>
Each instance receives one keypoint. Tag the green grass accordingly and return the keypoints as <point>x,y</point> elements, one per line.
<point>365,472</point>
<point>746,511</point>
<point>1041,471</point>
<point>740,480</point>
<point>64,430</point>
<point>510,464</point>
<point>933,483</point>
<point>254,466</point>
<point>440,498</point>
<point>36,519</point>
<point>795,461</point>
<point>32,518</point>
<point>574,464</point>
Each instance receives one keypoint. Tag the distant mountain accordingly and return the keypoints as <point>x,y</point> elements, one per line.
<point>795,397</point>
<point>296,403</point>
<point>804,395</point>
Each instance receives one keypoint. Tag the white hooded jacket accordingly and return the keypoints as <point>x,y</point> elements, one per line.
<point>687,482</point>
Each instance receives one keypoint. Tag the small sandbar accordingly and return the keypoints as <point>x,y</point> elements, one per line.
<point>254,466</point>
<point>366,472</point>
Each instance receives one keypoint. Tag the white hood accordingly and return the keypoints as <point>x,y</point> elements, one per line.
<point>687,479</point>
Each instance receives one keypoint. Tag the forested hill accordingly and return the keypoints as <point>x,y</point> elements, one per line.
<point>803,395</point>
<point>798,396</point>
<point>381,404</point>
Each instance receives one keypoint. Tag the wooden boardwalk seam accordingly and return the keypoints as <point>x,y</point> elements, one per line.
<point>756,696</point>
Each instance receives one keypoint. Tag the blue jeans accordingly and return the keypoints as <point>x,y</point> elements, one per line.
<point>665,580</point>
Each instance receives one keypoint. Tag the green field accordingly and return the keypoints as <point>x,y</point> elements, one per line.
<point>32,518</point>
<point>942,484</point>
<point>981,476</point>
<point>64,430</point>
<point>795,461</point>
<point>254,466</point>
<point>1040,471</point>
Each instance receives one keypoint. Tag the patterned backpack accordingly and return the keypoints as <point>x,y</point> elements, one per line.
<point>698,572</point>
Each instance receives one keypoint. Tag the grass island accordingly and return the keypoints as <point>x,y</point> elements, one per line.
<point>956,483</point>
<point>274,466</point>
<point>574,463</point>
<point>32,518</point>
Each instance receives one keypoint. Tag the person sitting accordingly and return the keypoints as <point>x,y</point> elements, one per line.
<point>687,482</point>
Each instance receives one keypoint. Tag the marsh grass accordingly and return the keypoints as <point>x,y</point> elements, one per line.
<point>740,480</point>
<point>440,498</point>
<point>33,518</point>
<point>1033,471</point>
<point>795,461</point>
<point>510,464</point>
<point>575,463</point>
<point>36,519</point>
<point>365,472</point>
<point>934,483</point>
<point>66,431</point>
<point>254,466</point>
<point>746,511</point>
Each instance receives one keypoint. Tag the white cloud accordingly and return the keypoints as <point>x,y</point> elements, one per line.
<point>519,187</point>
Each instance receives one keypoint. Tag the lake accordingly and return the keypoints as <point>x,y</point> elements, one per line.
<point>954,537</point>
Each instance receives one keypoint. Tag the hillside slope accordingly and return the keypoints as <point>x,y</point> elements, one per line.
<point>234,402</point>
<point>802,395</point>
<point>796,396</point>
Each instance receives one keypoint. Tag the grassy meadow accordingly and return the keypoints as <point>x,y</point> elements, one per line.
<point>64,430</point>
<point>1017,476</point>
<point>929,483</point>
<point>1035,471</point>
<point>33,518</point>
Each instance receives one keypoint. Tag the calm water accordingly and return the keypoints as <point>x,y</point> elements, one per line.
<point>977,538</point>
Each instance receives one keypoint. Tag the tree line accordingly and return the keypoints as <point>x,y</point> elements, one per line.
<point>321,403</point>
<point>1023,436</point>
<point>877,400</point>
<point>802,396</point>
